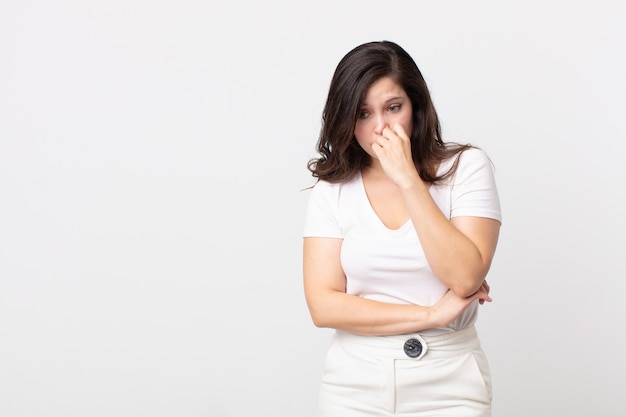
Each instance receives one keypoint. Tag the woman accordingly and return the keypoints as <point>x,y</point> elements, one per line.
<point>400,232</point>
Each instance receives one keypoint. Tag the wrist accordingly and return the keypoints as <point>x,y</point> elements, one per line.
<point>413,185</point>
<point>433,317</point>
<point>430,317</point>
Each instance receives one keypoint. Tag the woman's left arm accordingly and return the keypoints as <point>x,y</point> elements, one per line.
<point>460,250</point>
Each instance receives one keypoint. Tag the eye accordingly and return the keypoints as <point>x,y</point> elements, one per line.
<point>395,108</point>
<point>363,114</point>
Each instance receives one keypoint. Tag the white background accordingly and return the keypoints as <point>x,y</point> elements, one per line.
<point>152,156</point>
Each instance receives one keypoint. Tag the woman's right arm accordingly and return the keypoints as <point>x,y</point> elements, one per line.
<point>330,306</point>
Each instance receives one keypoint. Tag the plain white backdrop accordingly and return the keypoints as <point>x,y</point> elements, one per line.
<point>152,156</point>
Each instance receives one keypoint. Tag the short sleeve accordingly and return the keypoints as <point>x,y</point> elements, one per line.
<point>322,214</point>
<point>474,191</point>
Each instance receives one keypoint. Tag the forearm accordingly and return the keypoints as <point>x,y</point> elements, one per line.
<point>452,256</point>
<point>355,314</point>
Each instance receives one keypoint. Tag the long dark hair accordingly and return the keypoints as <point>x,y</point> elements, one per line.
<point>341,157</point>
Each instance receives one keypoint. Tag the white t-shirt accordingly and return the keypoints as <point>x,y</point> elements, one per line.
<point>389,265</point>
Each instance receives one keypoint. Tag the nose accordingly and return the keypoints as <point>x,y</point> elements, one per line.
<point>380,124</point>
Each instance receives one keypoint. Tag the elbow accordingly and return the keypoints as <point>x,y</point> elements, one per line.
<point>467,285</point>
<point>319,319</point>
<point>322,308</point>
<point>464,291</point>
<point>318,323</point>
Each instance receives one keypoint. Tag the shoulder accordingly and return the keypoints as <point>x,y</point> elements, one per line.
<point>468,160</point>
<point>328,201</point>
<point>474,191</point>
<point>323,187</point>
<point>474,156</point>
<point>472,161</point>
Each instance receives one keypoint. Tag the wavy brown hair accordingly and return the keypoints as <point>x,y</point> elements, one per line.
<point>341,157</point>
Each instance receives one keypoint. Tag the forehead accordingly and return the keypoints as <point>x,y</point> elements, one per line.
<point>382,90</point>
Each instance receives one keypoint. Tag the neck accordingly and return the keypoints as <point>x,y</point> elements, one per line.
<point>374,170</point>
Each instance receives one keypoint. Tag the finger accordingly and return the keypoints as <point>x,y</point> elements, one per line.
<point>399,130</point>
<point>389,133</point>
<point>379,144</point>
<point>378,149</point>
<point>483,296</point>
<point>380,137</point>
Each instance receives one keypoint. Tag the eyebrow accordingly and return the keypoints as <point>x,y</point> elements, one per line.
<point>388,100</point>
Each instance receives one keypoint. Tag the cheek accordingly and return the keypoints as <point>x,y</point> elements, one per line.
<point>407,124</point>
<point>361,141</point>
<point>360,134</point>
<point>360,127</point>
<point>407,119</point>
<point>408,127</point>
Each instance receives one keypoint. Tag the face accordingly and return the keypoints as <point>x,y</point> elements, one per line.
<point>385,104</point>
